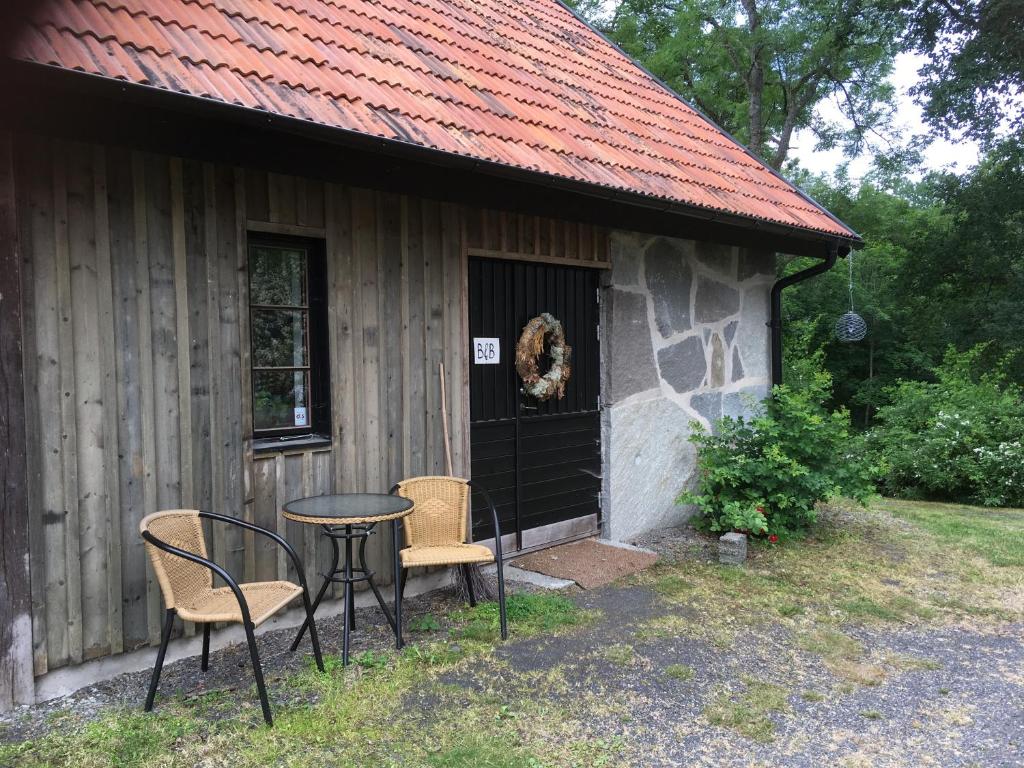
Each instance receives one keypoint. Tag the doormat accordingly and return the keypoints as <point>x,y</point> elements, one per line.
<point>588,562</point>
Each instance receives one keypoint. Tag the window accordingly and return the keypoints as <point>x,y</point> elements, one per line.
<point>288,340</point>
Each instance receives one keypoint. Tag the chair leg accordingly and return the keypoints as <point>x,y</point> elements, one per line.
<point>399,581</point>
<point>501,599</point>
<point>206,647</point>
<point>257,671</point>
<point>467,574</point>
<point>165,637</point>
<point>405,578</point>
<point>312,630</point>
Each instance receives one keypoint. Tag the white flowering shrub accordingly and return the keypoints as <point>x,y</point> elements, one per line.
<point>958,438</point>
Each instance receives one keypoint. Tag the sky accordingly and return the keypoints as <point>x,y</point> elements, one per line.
<point>940,154</point>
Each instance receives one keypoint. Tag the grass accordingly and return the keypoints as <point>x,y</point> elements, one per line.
<point>679,672</point>
<point>530,613</point>
<point>620,654</point>
<point>748,712</point>
<point>354,717</point>
<point>448,700</point>
<point>996,535</point>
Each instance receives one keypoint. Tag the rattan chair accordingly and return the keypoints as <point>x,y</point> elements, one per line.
<point>177,549</point>
<point>436,532</point>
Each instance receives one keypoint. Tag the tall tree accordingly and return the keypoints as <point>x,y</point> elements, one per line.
<point>760,67</point>
<point>973,79</point>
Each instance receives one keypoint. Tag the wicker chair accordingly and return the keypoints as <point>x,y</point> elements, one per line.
<point>177,549</point>
<point>435,532</point>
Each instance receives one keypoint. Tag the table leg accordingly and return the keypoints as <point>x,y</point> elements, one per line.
<point>320,595</point>
<point>369,580</point>
<point>349,597</point>
<point>396,546</point>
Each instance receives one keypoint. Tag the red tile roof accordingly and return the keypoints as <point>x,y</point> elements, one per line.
<point>519,82</point>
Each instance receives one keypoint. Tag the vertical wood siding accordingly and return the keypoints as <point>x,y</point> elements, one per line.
<point>137,365</point>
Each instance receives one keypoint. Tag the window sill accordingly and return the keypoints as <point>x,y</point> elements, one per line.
<point>264,445</point>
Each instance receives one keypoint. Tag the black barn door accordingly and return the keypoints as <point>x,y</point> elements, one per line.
<point>540,461</point>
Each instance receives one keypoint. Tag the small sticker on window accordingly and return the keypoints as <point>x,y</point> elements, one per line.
<point>300,417</point>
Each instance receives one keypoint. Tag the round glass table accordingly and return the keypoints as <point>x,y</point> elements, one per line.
<point>347,517</point>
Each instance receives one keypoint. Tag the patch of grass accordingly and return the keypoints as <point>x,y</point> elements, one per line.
<point>528,614</point>
<point>747,713</point>
<point>789,610</point>
<point>858,672</point>
<point>842,655</point>
<point>620,654</point>
<point>812,696</point>
<point>119,739</point>
<point>662,627</point>
<point>672,585</point>
<point>905,662</point>
<point>432,654</point>
<point>870,714</point>
<point>865,607</point>
<point>478,752</point>
<point>426,623</point>
<point>997,535</point>
<point>830,643</point>
<point>372,659</point>
<point>679,672</point>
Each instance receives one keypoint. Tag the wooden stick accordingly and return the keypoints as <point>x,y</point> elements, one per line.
<point>444,423</point>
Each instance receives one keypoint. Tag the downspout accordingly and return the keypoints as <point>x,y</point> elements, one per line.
<point>775,318</point>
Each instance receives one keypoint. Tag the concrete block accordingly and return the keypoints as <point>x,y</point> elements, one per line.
<point>732,548</point>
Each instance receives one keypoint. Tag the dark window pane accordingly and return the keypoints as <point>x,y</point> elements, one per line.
<point>279,338</point>
<point>280,399</point>
<point>277,276</point>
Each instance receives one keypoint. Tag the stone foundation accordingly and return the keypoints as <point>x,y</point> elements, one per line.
<point>685,339</point>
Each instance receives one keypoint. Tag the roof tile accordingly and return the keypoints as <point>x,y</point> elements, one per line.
<point>523,83</point>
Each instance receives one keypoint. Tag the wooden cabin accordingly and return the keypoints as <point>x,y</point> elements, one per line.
<point>237,240</point>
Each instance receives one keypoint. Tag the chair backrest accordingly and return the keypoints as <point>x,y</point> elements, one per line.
<point>181,580</point>
<point>441,512</point>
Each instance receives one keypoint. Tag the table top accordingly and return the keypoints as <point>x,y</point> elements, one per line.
<point>348,508</point>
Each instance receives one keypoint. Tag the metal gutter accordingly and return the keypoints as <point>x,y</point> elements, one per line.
<point>775,313</point>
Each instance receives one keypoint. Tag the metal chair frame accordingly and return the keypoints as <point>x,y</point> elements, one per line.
<point>247,623</point>
<point>465,566</point>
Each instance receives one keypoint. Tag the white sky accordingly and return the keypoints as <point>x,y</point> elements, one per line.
<point>940,154</point>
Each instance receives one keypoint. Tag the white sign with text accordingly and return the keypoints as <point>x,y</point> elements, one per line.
<point>486,351</point>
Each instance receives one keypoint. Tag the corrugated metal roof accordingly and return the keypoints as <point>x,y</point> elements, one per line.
<point>523,83</point>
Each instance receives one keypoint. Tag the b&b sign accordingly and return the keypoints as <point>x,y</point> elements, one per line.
<point>486,351</point>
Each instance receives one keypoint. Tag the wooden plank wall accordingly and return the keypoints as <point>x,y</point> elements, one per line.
<point>136,349</point>
<point>15,589</point>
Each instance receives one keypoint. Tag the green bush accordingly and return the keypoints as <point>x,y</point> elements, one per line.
<point>764,475</point>
<point>958,438</point>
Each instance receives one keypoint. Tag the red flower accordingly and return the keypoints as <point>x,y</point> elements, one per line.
<point>773,538</point>
<point>761,510</point>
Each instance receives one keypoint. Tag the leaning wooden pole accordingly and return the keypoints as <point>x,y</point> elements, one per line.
<point>444,421</point>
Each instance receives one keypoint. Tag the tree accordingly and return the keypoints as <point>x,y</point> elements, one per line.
<point>759,68</point>
<point>973,80</point>
<point>943,266</point>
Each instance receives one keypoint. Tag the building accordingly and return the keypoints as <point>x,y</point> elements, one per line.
<point>237,239</point>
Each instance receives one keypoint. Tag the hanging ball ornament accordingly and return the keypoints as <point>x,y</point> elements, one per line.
<point>851,327</point>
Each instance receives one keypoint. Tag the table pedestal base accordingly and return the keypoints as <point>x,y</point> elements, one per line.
<point>349,575</point>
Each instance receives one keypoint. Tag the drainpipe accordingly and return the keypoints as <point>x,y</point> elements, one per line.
<point>775,319</point>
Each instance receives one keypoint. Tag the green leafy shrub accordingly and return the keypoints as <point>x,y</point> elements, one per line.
<point>957,438</point>
<point>764,475</point>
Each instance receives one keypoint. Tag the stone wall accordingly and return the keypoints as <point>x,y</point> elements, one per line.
<point>685,338</point>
